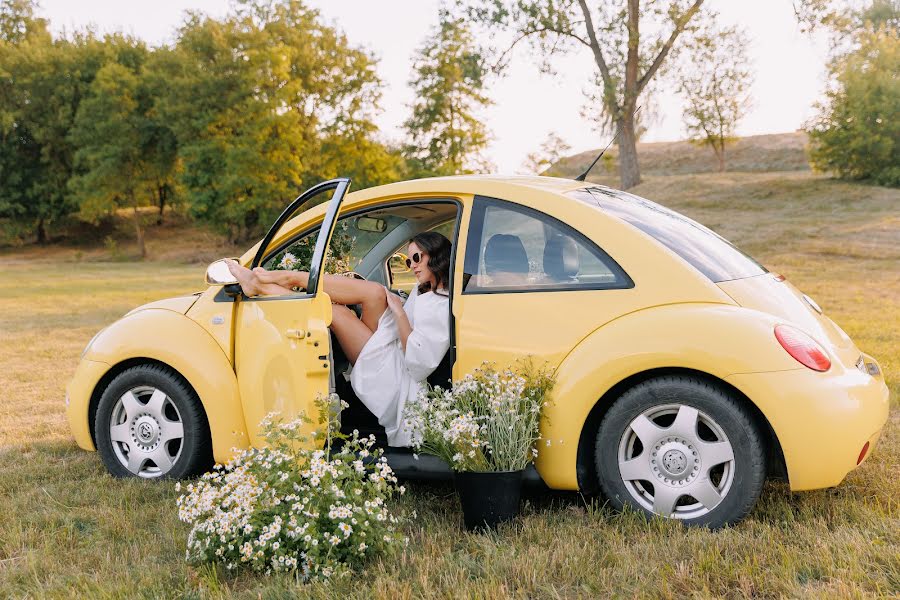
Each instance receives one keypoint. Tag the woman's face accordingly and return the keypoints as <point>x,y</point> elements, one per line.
<point>421,270</point>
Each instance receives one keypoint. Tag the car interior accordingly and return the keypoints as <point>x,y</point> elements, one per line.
<point>372,246</point>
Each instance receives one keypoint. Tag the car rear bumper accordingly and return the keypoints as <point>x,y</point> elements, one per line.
<point>822,420</point>
<point>78,399</point>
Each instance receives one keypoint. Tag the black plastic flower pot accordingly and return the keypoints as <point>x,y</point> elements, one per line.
<point>488,498</point>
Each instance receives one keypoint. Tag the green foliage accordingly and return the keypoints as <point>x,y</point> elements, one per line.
<point>265,102</point>
<point>446,136</point>
<point>857,133</point>
<point>235,118</point>
<point>716,86</point>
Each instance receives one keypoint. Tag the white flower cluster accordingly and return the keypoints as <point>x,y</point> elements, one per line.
<point>339,257</point>
<point>290,507</point>
<point>488,421</point>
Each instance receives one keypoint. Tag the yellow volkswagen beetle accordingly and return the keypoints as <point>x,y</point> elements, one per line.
<point>686,372</point>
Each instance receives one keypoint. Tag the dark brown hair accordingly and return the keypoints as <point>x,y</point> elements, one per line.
<point>437,247</point>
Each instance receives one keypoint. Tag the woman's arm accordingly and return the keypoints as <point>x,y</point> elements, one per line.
<point>395,305</point>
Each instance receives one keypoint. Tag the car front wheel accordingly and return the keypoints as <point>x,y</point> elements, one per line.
<point>682,448</point>
<point>150,424</point>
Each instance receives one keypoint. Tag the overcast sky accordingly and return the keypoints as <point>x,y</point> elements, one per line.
<point>789,67</point>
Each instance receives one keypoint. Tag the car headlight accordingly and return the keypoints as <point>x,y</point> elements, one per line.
<point>90,343</point>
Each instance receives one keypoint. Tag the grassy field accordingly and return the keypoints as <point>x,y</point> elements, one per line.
<point>67,529</point>
<point>753,154</point>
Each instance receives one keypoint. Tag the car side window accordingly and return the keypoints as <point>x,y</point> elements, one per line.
<point>512,248</point>
<point>352,239</point>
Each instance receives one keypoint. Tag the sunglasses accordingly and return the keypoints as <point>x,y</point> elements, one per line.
<point>414,259</point>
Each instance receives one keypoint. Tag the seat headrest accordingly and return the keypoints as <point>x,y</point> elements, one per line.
<point>504,253</point>
<point>561,260</point>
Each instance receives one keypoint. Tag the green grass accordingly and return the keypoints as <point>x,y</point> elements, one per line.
<point>67,529</point>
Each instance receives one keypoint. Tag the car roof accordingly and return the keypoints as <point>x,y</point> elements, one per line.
<point>467,184</point>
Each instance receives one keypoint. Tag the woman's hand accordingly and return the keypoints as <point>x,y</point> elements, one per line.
<point>393,301</point>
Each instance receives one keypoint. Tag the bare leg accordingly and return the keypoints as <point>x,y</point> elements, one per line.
<point>251,285</point>
<point>351,333</point>
<point>343,290</point>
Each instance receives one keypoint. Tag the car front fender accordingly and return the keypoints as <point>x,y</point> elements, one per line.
<point>179,342</point>
<point>716,339</point>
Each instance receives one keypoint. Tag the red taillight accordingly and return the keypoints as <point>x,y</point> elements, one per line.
<point>862,454</point>
<point>803,348</point>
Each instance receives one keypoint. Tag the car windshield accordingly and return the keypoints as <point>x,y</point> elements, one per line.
<point>705,250</point>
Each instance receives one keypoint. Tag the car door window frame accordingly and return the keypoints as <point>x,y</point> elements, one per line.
<point>340,186</point>
<point>360,211</point>
<point>475,248</point>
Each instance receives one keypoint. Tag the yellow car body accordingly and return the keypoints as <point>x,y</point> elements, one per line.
<point>245,359</point>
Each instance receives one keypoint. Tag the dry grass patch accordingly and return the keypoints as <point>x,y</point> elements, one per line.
<point>67,529</point>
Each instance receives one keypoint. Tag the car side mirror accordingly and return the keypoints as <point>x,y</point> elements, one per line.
<point>397,264</point>
<point>217,273</point>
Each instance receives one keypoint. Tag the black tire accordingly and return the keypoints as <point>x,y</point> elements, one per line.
<point>738,481</point>
<point>189,455</point>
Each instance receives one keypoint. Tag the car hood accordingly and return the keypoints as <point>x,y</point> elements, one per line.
<point>179,304</point>
<point>781,299</point>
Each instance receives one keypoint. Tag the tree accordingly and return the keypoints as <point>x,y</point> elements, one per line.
<point>256,100</point>
<point>857,133</point>
<point>118,145</point>
<point>629,44</point>
<point>42,82</point>
<point>18,22</point>
<point>715,83</point>
<point>446,136</point>
<point>551,151</point>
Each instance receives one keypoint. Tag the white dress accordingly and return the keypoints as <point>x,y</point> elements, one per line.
<point>385,377</point>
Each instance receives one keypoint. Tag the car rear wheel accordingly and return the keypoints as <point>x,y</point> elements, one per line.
<point>150,424</point>
<point>682,448</point>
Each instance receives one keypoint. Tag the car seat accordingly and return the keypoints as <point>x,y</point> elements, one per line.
<point>561,261</point>
<point>505,253</point>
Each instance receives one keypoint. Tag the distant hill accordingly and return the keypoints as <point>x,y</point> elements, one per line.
<point>755,153</point>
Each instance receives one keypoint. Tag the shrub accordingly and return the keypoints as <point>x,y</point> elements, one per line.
<point>289,507</point>
<point>488,421</point>
<point>857,135</point>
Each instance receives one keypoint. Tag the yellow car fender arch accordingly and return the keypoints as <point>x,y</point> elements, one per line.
<point>169,338</point>
<point>586,473</point>
<point>710,341</point>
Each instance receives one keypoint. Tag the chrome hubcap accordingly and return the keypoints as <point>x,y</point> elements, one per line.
<point>147,432</point>
<point>676,461</point>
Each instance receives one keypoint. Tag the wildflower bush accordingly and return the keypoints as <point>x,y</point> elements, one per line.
<point>290,507</point>
<point>488,421</point>
<point>338,256</point>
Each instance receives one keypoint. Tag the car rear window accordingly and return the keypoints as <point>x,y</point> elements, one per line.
<point>705,250</point>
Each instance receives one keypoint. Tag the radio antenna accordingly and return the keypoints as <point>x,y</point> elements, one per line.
<point>599,156</point>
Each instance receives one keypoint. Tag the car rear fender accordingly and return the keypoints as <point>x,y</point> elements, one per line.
<point>715,339</point>
<point>171,338</point>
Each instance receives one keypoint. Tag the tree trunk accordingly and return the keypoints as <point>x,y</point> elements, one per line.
<point>41,231</point>
<point>629,170</point>
<point>721,157</point>
<point>139,231</point>
<point>161,194</point>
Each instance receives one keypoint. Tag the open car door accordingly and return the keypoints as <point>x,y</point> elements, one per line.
<point>282,343</point>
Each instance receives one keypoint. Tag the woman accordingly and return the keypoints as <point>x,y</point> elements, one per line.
<point>393,346</point>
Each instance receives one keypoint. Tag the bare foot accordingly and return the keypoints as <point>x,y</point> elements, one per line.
<point>245,277</point>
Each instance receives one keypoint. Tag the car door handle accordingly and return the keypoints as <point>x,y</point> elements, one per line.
<point>297,334</point>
